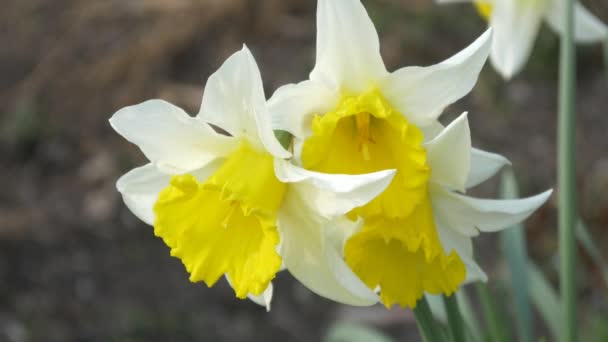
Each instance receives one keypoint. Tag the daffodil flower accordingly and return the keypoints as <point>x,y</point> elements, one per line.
<point>231,204</point>
<point>353,117</point>
<point>516,24</point>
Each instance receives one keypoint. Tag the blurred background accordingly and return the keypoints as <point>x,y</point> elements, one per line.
<point>76,265</point>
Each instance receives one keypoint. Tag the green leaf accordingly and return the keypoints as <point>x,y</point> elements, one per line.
<point>353,332</point>
<point>545,299</point>
<point>606,58</point>
<point>427,325</point>
<point>455,320</point>
<point>494,319</point>
<point>584,237</point>
<point>468,315</point>
<point>513,242</point>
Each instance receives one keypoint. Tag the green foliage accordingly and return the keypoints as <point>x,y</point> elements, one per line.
<point>545,299</point>
<point>513,242</point>
<point>24,126</point>
<point>496,324</point>
<point>586,240</point>
<point>354,332</point>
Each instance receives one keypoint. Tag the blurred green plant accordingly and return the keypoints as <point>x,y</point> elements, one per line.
<point>426,322</point>
<point>354,332</point>
<point>566,175</point>
<point>606,58</point>
<point>455,321</point>
<point>24,126</point>
<point>586,240</point>
<point>545,299</point>
<point>497,330</point>
<point>513,242</point>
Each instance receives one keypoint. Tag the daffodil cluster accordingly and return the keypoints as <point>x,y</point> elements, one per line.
<point>516,24</point>
<point>364,203</point>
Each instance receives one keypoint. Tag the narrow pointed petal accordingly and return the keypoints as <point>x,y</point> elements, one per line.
<point>467,215</point>
<point>234,100</point>
<point>312,258</point>
<point>333,194</point>
<point>422,93</point>
<point>483,166</point>
<point>170,138</point>
<point>348,48</point>
<point>587,27</point>
<point>449,154</point>
<point>516,25</point>
<point>140,188</point>
<point>463,245</point>
<point>293,106</point>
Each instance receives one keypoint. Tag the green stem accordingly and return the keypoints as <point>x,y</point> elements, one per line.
<point>455,320</point>
<point>566,175</point>
<point>468,316</point>
<point>495,324</point>
<point>606,58</point>
<point>426,323</point>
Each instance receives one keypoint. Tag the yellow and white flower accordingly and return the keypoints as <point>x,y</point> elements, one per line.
<point>232,205</point>
<point>352,117</point>
<point>516,24</point>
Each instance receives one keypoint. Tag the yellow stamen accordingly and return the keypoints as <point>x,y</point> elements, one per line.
<point>362,122</point>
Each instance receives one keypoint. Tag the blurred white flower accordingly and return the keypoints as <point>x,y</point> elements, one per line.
<point>516,24</point>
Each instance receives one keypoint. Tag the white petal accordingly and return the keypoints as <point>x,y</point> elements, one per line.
<point>463,245</point>
<point>484,165</point>
<point>348,48</point>
<point>234,100</point>
<point>313,259</point>
<point>333,194</point>
<point>449,154</point>
<point>293,106</point>
<point>466,214</point>
<point>140,188</point>
<point>516,24</point>
<point>587,27</point>
<point>432,130</point>
<point>170,138</point>
<point>421,93</point>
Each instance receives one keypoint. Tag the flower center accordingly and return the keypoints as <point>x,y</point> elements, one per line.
<point>398,248</point>
<point>227,223</point>
<point>365,138</point>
